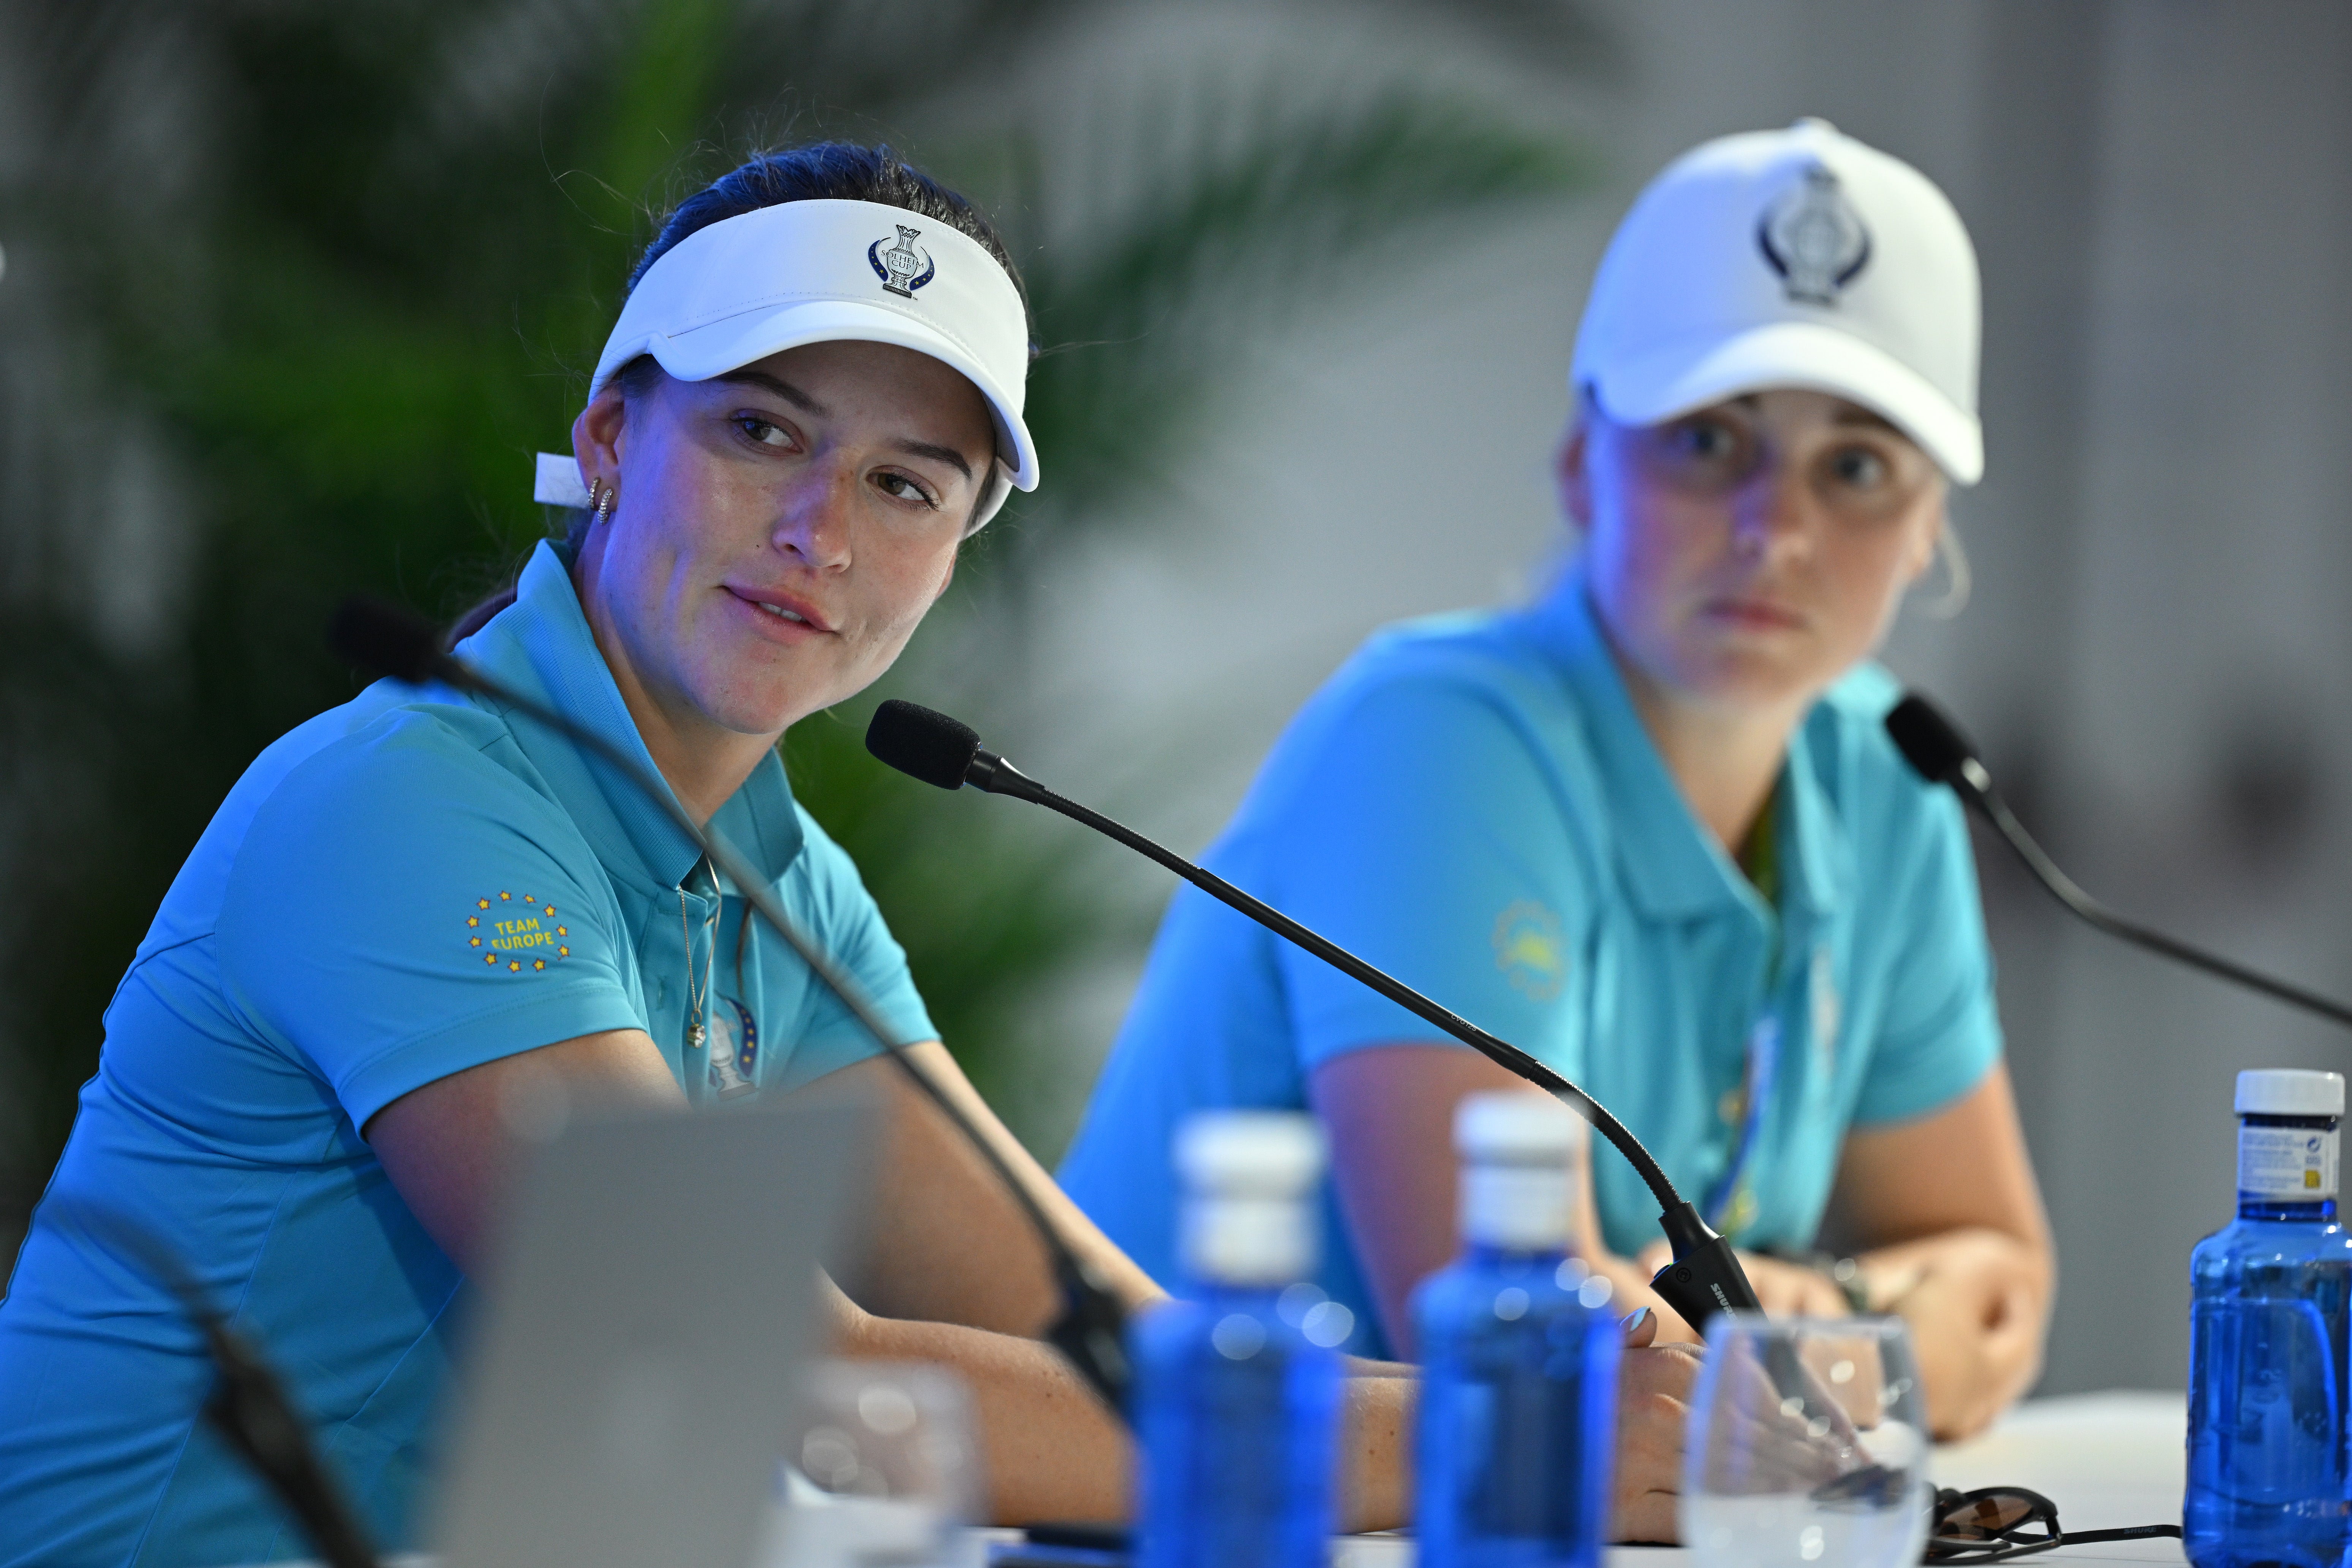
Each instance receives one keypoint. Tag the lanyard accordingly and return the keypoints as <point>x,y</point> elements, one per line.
<point>1729,1195</point>
<point>1730,1203</point>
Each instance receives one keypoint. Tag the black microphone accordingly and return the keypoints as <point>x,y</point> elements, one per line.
<point>1090,1334</point>
<point>1938,752</point>
<point>1704,1277</point>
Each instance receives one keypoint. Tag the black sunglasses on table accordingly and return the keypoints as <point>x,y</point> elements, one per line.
<point>1993,1522</point>
<point>1981,1526</point>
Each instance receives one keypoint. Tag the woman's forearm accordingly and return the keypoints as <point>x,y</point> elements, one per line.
<point>1376,1449</point>
<point>1969,1262</point>
<point>1053,1452</point>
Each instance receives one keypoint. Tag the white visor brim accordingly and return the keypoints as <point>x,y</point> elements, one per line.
<point>1668,382</point>
<point>737,341</point>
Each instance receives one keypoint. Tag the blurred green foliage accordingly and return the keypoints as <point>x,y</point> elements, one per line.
<point>338,271</point>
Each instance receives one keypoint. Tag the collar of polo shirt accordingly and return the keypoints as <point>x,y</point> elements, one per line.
<point>827,271</point>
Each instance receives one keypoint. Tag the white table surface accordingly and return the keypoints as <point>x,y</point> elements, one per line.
<point>2107,1459</point>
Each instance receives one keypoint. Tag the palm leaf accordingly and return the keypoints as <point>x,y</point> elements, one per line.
<point>1234,243</point>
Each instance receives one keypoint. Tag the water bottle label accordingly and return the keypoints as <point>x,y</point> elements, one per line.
<point>2286,1165</point>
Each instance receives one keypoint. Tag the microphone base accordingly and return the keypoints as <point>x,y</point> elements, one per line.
<point>1706,1277</point>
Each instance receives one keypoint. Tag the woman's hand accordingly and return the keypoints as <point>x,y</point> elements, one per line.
<point>1793,1290</point>
<point>1976,1303</point>
<point>1653,1396</point>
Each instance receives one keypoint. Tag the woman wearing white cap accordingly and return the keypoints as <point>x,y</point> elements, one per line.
<point>1648,828</point>
<point>417,904</point>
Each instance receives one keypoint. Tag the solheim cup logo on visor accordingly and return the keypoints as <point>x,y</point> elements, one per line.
<point>1814,239</point>
<point>897,266</point>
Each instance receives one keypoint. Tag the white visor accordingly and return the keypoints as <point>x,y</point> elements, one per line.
<point>827,271</point>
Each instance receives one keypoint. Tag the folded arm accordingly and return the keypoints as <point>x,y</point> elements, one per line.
<point>954,1274</point>
<point>1956,1240</point>
<point>1953,1239</point>
<point>1945,1208</point>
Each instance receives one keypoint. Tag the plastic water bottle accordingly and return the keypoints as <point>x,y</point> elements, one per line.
<point>1518,1401</point>
<point>1237,1404</point>
<point>2268,1334</point>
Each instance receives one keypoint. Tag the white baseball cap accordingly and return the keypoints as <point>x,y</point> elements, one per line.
<point>1790,258</point>
<point>827,271</point>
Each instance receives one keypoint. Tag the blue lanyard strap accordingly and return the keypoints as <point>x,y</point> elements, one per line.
<point>1763,1068</point>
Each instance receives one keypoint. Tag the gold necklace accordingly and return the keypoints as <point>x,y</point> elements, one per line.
<point>695,1032</point>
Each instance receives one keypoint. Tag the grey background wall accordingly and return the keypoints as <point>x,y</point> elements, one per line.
<point>2155,659</point>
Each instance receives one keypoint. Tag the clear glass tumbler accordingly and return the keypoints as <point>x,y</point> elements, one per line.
<point>1808,1446</point>
<point>882,1468</point>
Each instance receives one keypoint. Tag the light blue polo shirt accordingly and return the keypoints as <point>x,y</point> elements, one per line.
<point>404,887</point>
<point>1473,805</point>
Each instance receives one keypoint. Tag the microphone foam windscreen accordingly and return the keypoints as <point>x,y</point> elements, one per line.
<point>384,638</point>
<point>1930,743</point>
<point>932,746</point>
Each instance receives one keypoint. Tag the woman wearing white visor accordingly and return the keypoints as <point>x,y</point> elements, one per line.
<point>1648,828</point>
<point>414,903</point>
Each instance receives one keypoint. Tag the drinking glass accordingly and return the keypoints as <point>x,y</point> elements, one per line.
<point>882,1469</point>
<point>1808,1446</point>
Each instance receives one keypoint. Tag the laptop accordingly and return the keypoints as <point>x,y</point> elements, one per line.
<point>628,1391</point>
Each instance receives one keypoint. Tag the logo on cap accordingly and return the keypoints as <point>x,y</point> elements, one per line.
<point>897,266</point>
<point>1814,239</point>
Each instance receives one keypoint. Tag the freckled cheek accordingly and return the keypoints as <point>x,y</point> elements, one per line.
<point>1665,554</point>
<point>693,554</point>
<point>912,579</point>
<point>895,621</point>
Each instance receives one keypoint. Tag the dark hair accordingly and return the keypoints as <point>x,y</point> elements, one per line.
<point>822,170</point>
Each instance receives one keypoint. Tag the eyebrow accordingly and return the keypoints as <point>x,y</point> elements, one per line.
<point>782,388</point>
<point>1855,414</point>
<point>1846,413</point>
<point>807,404</point>
<point>946,455</point>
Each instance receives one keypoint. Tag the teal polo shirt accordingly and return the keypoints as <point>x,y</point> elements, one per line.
<point>405,887</point>
<point>1473,805</point>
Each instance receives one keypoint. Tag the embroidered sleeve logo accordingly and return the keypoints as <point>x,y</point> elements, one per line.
<point>521,935</point>
<point>1530,950</point>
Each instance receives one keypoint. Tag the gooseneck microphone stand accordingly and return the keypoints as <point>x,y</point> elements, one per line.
<point>1704,1277</point>
<point>1091,1331</point>
<point>1938,752</point>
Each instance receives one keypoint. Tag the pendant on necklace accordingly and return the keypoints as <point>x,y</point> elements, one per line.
<point>693,1037</point>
